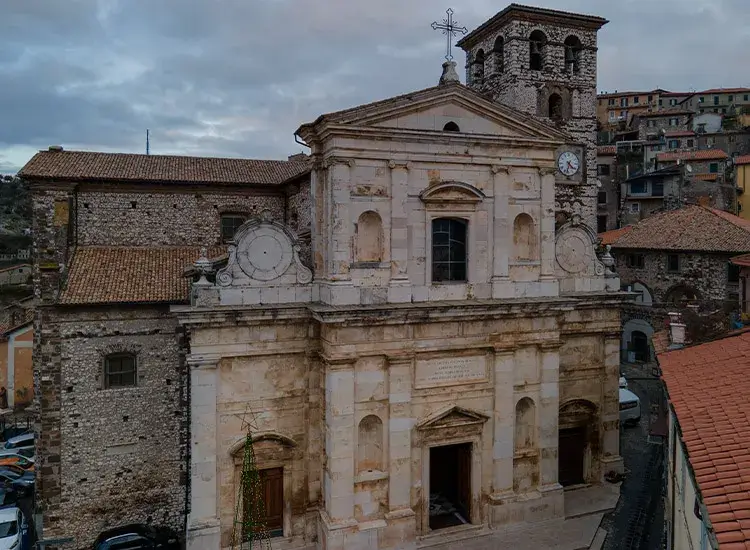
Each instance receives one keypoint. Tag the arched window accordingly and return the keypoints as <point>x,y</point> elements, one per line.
<point>451,127</point>
<point>525,425</point>
<point>555,105</point>
<point>524,238</point>
<point>537,46</point>
<point>573,49</point>
<point>448,250</point>
<point>369,237</point>
<point>370,444</point>
<point>119,370</point>
<point>477,68</point>
<point>499,52</point>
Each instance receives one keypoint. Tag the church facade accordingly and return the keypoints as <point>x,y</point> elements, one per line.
<point>414,322</point>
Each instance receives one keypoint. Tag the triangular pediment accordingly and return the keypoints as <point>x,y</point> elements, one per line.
<point>431,109</point>
<point>451,417</point>
<point>452,191</point>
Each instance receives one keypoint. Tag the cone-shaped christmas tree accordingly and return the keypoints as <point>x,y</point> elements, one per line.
<point>249,530</point>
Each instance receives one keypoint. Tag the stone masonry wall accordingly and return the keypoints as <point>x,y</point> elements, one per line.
<point>123,456</point>
<point>299,218</point>
<point>522,88</point>
<point>705,273</point>
<point>158,219</point>
<point>654,125</point>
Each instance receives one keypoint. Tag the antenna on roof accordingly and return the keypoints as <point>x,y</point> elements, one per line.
<point>148,144</point>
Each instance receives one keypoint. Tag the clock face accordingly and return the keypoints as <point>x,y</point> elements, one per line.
<point>568,163</point>
<point>264,254</point>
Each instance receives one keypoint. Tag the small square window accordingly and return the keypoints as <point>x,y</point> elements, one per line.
<point>713,167</point>
<point>636,100</point>
<point>230,223</point>
<point>119,370</point>
<point>635,207</point>
<point>673,263</point>
<point>690,143</point>
<point>701,99</point>
<point>636,261</point>
<point>602,197</point>
<point>603,169</point>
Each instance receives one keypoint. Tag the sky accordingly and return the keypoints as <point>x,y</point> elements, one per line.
<point>236,78</point>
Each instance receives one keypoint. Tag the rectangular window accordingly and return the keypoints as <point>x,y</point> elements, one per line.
<point>661,102</point>
<point>602,197</point>
<point>673,263</point>
<point>673,102</point>
<point>612,115</point>
<point>602,169</point>
<point>674,121</point>
<point>733,273</point>
<point>674,144</point>
<point>657,189</point>
<point>637,188</point>
<point>716,100</point>
<point>636,261</point>
<point>635,207</point>
<point>746,97</point>
<point>731,98</point>
<point>230,223</point>
<point>701,99</point>
<point>601,224</point>
<point>611,101</point>
<point>623,102</point>
<point>652,124</point>
<point>690,143</point>
<point>449,253</point>
<point>636,100</point>
<point>713,167</point>
<point>119,370</point>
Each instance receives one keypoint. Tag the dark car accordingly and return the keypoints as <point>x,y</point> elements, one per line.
<point>138,537</point>
<point>16,479</point>
<point>8,498</point>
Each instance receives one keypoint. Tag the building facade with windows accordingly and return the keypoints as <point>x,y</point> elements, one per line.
<point>608,196</point>
<point>445,356</point>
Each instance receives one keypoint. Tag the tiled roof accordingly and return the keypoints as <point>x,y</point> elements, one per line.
<point>606,150</point>
<point>121,167</point>
<point>702,154</point>
<point>725,91</point>
<point>657,91</point>
<point>677,94</point>
<point>679,133</point>
<point>518,11</point>
<point>694,228</point>
<point>660,341</point>
<point>105,275</point>
<point>14,267</point>
<point>706,177</point>
<point>609,237</point>
<point>709,390</point>
<point>743,260</point>
<point>744,159</point>
<point>666,112</point>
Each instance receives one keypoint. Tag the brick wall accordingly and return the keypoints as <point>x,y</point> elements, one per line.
<point>154,219</point>
<point>123,451</point>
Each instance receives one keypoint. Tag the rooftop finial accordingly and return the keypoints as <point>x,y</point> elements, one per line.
<point>450,29</point>
<point>449,73</point>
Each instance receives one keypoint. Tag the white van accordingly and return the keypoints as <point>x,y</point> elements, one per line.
<point>630,407</point>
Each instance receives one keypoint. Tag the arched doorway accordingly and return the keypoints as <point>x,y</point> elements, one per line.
<point>578,443</point>
<point>639,343</point>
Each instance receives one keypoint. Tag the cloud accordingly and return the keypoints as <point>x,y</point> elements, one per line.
<point>236,78</point>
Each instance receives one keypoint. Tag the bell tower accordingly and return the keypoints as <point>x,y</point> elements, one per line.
<point>543,62</point>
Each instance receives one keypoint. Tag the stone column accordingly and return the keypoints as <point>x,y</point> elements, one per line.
<point>203,526</point>
<point>400,290</point>
<point>549,412</point>
<point>610,457</point>
<point>401,519</point>
<point>547,177</point>
<point>501,231</point>
<point>338,480</point>
<point>503,419</point>
<point>341,250</point>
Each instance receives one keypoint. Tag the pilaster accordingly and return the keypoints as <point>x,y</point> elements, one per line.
<point>611,459</point>
<point>501,287</point>
<point>502,448</point>
<point>400,291</point>
<point>549,411</point>
<point>340,259</point>
<point>203,526</point>
<point>547,176</point>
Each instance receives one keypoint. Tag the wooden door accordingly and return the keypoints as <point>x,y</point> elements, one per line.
<point>571,455</point>
<point>463,482</point>
<point>272,482</point>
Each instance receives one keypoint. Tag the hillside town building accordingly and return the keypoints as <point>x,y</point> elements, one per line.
<point>415,316</point>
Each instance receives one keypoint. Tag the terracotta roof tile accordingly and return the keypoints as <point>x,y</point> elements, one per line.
<point>104,275</point>
<point>606,150</point>
<point>694,228</point>
<point>725,91</point>
<point>744,159</point>
<point>679,133</point>
<point>703,154</point>
<point>609,237</point>
<point>743,260</point>
<point>91,166</point>
<point>709,391</point>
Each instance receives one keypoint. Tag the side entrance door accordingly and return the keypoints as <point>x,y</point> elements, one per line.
<point>571,455</point>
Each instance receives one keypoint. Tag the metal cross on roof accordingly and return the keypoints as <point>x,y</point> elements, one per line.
<point>450,29</point>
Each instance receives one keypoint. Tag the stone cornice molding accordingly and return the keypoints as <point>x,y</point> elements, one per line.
<point>501,169</point>
<point>208,361</point>
<point>551,346</point>
<point>402,165</point>
<point>504,349</point>
<point>333,161</point>
<point>546,171</point>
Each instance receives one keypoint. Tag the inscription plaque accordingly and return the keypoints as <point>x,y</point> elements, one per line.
<point>450,371</point>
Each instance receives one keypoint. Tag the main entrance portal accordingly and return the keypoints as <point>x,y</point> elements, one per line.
<point>450,485</point>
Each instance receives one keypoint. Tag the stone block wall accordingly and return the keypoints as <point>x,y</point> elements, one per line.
<point>299,218</point>
<point>181,218</point>
<point>122,454</point>
<point>705,273</point>
<point>653,125</point>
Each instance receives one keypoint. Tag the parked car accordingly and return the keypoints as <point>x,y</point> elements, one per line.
<point>20,481</point>
<point>28,452</point>
<point>18,461</point>
<point>623,382</point>
<point>630,408</point>
<point>8,498</point>
<point>24,441</point>
<point>14,431</point>
<point>137,537</point>
<point>14,530</point>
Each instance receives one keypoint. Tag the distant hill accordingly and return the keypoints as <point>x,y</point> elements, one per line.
<point>15,209</point>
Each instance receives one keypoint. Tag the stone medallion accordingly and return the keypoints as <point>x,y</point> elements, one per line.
<point>264,253</point>
<point>574,251</point>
